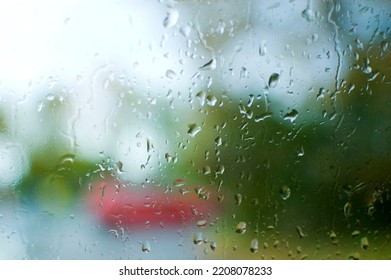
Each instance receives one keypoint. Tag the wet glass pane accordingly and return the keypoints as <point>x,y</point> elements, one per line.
<point>195,129</point>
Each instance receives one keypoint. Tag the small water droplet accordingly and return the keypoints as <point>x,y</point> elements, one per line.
<point>384,45</point>
<point>201,97</point>
<point>291,116</point>
<point>193,129</point>
<point>333,235</point>
<point>171,74</point>
<point>218,141</point>
<point>300,232</point>
<point>210,65</point>
<point>364,243</point>
<point>146,247</point>
<point>40,106</point>
<point>114,232</point>
<point>202,223</point>
<point>211,100</point>
<point>347,209</point>
<point>220,169</point>
<point>238,199</point>
<point>71,216</point>
<point>285,192</point>
<point>355,233</point>
<point>273,80</point>
<point>213,245</point>
<point>206,170</point>
<point>241,227</point>
<point>254,246</point>
<point>185,30</point>
<point>179,183</point>
<point>197,238</point>
<point>308,14</point>
<point>262,48</point>
<point>50,97</point>
<point>171,19</point>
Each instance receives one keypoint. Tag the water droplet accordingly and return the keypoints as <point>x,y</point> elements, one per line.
<point>273,80</point>
<point>218,141</point>
<point>179,183</point>
<point>241,227</point>
<point>263,117</point>
<point>300,232</point>
<point>211,100</point>
<point>197,238</point>
<point>308,14</point>
<point>40,106</point>
<point>50,97</point>
<point>291,116</point>
<point>321,93</point>
<point>300,151</point>
<point>254,246</point>
<point>201,97</point>
<point>384,45</point>
<point>355,233</point>
<point>71,216</point>
<point>220,169</point>
<point>354,256</point>
<point>210,65</point>
<point>206,170</point>
<point>185,30</point>
<point>193,129</point>
<point>146,247</point>
<point>238,199</point>
<point>213,245</point>
<point>171,74</point>
<point>347,209</point>
<point>285,192</point>
<point>171,18</point>
<point>333,235</point>
<point>119,165</point>
<point>202,223</point>
<point>364,243</point>
<point>114,232</point>
<point>262,48</point>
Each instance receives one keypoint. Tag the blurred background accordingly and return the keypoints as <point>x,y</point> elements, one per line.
<point>195,129</point>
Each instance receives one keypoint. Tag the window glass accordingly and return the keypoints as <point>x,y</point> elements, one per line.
<point>195,129</point>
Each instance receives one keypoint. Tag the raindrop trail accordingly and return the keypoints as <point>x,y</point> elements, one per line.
<point>336,42</point>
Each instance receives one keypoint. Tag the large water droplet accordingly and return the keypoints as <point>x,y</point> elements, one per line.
<point>193,129</point>
<point>273,80</point>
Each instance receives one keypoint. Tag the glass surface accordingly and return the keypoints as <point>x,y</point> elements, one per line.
<point>195,129</point>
